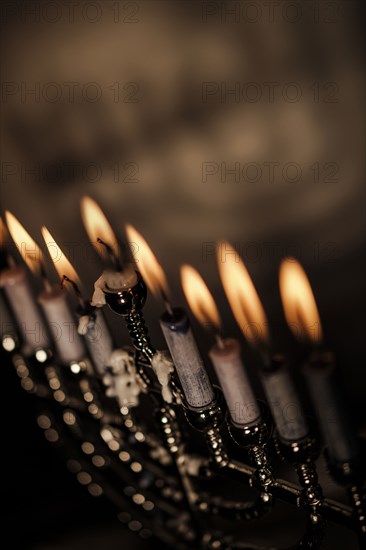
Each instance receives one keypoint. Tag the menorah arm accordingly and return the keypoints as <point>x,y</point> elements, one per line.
<point>290,492</point>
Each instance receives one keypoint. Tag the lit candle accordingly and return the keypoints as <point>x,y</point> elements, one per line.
<point>103,239</point>
<point>225,354</point>
<point>122,288</point>
<point>283,400</point>
<point>15,283</point>
<point>8,332</point>
<point>53,301</point>
<point>70,347</point>
<point>187,358</point>
<point>176,328</point>
<point>302,316</point>
<point>4,256</point>
<point>249,313</point>
<point>92,325</point>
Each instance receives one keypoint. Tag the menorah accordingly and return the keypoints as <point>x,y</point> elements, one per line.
<point>185,463</point>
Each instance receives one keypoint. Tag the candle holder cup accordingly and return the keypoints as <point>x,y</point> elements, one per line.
<point>254,438</point>
<point>129,303</point>
<point>351,475</point>
<point>302,454</point>
<point>210,420</point>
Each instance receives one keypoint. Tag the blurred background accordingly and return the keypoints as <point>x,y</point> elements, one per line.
<point>194,121</point>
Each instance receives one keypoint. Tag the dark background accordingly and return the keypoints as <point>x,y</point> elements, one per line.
<point>159,132</point>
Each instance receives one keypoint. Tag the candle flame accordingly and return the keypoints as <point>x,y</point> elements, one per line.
<point>298,301</point>
<point>61,263</point>
<point>199,298</point>
<point>2,232</point>
<point>151,270</point>
<point>28,248</point>
<point>242,295</point>
<point>98,228</point>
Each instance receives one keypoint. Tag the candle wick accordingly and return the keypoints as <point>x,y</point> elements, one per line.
<point>76,289</point>
<point>166,301</point>
<point>111,254</point>
<point>219,340</point>
<point>46,283</point>
<point>10,260</point>
<point>169,308</point>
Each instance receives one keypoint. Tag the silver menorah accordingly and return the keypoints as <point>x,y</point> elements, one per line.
<point>162,462</point>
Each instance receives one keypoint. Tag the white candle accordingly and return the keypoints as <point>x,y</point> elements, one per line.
<point>187,359</point>
<point>31,324</point>
<point>98,339</point>
<point>242,404</point>
<point>339,438</point>
<point>8,331</point>
<point>63,325</point>
<point>283,401</point>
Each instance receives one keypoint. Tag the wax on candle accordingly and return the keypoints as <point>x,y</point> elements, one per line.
<point>98,339</point>
<point>121,380</point>
<point>112,281</point>
<point>283,401</point>
<point>69,345</point>
<point>187,359</point>
<point>339,438</point>
<point>163,367</point>
<point>31,324</point>
<point>242,405</point>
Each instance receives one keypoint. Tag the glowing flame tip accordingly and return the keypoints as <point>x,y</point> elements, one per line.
<point>199,297</point>
<point>28,248</point>
<point>242,295</point>
<point>62,265</point>
<point>151,270</point>
<point>298,301</point>
<point>98,228</point>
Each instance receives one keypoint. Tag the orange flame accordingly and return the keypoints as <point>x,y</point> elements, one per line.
<point>147,263</point>
<point>2,232</point>
<point>28,248</point>
<point>298,301</point>
<point>98,227</point>
<point>61,263</point>
<point>242,295</point>
<point>199,298</point>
